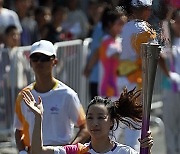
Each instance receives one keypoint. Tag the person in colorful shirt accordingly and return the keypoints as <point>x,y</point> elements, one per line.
<point>108,52</point>
<point>62,107</point>
<point>101,116</point>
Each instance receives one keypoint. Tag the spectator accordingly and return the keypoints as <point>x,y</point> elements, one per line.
<point>12,37</point>
<point>11,41</point>
<point>94,13</point>
<point>61,104</point>
<point>101,116</point>
<point>92,69</point>
<point>108,53</point>
<point>43,17</point>
<point>76,22</point>
<point>93,73</point>
<point>54,31</point>
<point>17,61</point>
<point>7,17</point>
<point>171,85</point>
<point>28,35</point>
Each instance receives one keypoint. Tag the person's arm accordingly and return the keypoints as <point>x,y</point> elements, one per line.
<point>173,76</point>
<point>19,134</point>
<point>82,136</point>
<point>37,108</point>
<point>97,36</point>
<point>163,66</point>
<point>19,141</point>
<point>36,145</point>
<point>92,61</point>
<point>77,115</point>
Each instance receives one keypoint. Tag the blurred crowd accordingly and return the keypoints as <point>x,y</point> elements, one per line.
<point>23,22</point>
<point>61,20</point>
<point>51,20</point>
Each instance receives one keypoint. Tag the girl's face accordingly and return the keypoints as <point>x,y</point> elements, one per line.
<point>117,26</point>
<point>98,121</point>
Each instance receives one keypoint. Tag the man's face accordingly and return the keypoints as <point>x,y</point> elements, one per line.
<point>41,63</point>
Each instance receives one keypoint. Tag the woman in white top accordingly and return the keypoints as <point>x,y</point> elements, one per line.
<point>102,116</point>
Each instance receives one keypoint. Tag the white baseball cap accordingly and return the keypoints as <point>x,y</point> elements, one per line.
<point>44,47</point>
<point>138,3</point>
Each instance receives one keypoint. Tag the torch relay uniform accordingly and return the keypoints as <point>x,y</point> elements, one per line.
<point>134,33</point>
<point>108,86</point>
<point>61,108</point>
<point>87,149</point>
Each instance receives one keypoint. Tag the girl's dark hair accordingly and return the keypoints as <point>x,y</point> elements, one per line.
<point>126,109</point>
<point>110,15</point>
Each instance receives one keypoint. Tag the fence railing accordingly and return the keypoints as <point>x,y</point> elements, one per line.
<point>16,73</point>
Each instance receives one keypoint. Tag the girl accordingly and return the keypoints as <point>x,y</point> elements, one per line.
<point>101,116</point>
<point>109,51</point>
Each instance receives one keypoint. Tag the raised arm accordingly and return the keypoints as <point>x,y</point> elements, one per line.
<point>37,108</point>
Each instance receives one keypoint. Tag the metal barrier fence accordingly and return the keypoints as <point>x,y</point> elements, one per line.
<point>5,94</point>
<point>16,73</point>
<point>72,59</point>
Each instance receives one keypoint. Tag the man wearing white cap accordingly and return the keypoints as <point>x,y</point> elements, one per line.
<point>62,108</point>
<point>134,32</point>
